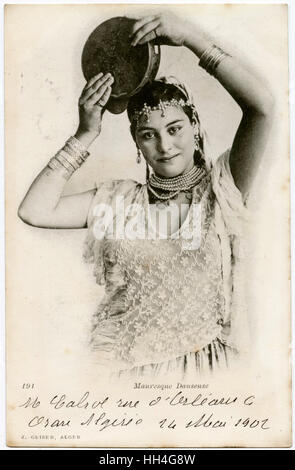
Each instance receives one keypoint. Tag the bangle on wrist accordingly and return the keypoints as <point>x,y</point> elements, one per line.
<point>69,158</point>
<point>211,58</point>
<point>76,145</point>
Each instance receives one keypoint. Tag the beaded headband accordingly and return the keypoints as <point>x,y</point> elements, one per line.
<point>146,110</point>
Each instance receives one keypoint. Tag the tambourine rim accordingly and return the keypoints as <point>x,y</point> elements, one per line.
<point>151,53</point>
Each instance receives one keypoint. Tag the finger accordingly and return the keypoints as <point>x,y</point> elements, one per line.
<point>146,29</point>
<point>97,95</point>
<point>105,97</point>
<point>92,80</point>
<point>92,95</point>
<point>138,24</point>
<point>101,78</point>
<point>148,37</point>
<point>107,79</point>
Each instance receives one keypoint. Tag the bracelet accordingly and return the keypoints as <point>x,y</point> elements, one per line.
<point>77,145</point>
<point>211,58</point>
<point>55,165</point>
<point>64,162</point>
<point>69,158</point>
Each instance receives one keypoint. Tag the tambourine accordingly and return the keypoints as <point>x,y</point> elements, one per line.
<point>108,49</point>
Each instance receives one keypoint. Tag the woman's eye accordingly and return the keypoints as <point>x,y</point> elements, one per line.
<point>148,135</point>
<point>173,130</point>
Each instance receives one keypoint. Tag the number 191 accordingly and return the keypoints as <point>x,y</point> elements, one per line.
<point>28,386</point>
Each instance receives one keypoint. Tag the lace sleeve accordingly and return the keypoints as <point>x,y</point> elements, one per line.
<point>93,247</point>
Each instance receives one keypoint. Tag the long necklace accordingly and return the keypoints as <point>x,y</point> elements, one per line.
<point>173,186</point>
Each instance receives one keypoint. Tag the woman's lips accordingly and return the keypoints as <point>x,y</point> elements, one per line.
<point>167,159</point>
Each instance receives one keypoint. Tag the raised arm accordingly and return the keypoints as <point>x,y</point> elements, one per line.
<point>44,206</point>
<point>256,103</point>
<point>250,93</point>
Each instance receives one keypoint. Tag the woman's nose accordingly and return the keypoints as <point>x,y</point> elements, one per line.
<point>164,143</point>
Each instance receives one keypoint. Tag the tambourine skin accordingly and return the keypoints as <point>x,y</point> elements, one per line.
<point>108,49</point>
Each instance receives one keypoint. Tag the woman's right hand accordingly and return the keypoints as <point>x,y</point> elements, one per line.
<point>92,101</point>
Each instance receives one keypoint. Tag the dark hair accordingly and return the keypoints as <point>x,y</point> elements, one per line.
<point>151,94</point>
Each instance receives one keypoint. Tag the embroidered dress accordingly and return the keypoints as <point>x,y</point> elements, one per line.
<point>170,303</point>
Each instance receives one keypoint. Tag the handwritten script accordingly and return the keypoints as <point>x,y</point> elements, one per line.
<point>200,410</point>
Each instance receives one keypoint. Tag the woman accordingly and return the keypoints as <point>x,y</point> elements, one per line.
<point>170,300</point>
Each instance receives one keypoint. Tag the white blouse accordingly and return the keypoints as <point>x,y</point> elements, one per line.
<point>166,297</point>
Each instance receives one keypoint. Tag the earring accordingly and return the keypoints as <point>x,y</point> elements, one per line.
<point>147,172</point>
<point>197,141</point>
<point>138,159</point>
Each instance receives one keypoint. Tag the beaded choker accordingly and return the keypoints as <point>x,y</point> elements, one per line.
<point>167,188</point>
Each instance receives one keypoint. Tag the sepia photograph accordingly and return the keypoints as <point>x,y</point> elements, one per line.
<point>148,299</point>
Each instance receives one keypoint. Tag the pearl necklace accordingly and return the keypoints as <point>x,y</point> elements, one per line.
<point>176,184</point>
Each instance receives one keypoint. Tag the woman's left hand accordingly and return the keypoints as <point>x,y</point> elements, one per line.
<point>166,28</point>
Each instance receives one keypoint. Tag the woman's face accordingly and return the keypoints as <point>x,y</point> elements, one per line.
<point>167,142</point>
